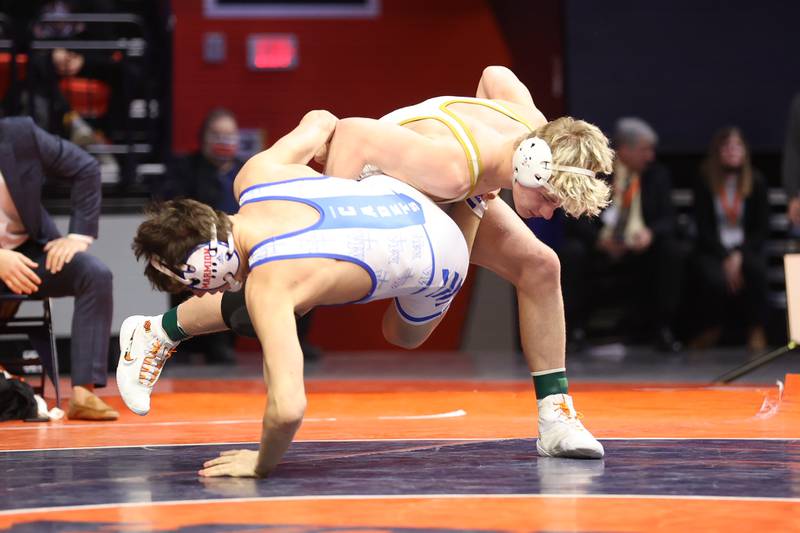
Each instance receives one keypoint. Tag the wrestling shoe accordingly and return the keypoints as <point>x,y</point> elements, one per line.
<point>561,433</point>
<point>143,350</point>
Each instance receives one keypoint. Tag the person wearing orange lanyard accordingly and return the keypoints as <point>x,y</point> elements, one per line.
<point>632,240</point>
<point>732,217</point>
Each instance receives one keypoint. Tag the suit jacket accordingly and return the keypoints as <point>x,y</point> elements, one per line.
<point>193,176</point>
<point>791,150</point>
<point>29,156</point>
<point>756,219</point>
<point>657,209</point>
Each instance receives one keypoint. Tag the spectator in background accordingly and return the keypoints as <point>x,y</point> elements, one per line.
<point>732,216</point>
<point>207,176</point>
<point>52,72</point>
<point>791,168</point>
<point>632,239</point>
<point>51,108</point>
<point>35,259</point>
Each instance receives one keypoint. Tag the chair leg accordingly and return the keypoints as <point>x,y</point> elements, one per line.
<point>43,342</point>
<point>53,350</point>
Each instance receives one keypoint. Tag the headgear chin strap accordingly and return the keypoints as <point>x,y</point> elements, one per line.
<point>209,266</point>
<point>533,165</point>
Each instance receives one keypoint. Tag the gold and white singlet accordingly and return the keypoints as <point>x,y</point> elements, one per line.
<point>438,109</point>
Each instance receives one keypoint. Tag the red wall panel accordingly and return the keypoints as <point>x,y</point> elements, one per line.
<point>415,49</point>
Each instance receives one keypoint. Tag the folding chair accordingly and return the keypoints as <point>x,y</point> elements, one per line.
<point>39,330</point>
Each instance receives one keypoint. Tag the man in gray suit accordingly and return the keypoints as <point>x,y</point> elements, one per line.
<point>36,260</point>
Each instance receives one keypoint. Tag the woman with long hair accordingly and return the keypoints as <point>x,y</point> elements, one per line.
<point>732,216</point>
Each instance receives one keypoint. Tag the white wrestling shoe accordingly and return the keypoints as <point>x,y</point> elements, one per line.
<point>561,433</point>
<point>143,350</point>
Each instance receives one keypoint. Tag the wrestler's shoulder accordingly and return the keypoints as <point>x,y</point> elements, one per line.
<point>532,115</point>
<point>259,173</point>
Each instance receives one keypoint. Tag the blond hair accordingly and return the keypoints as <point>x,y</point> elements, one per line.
<point>579,144</point>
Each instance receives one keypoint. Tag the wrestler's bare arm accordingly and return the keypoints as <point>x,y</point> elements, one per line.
<point>271,304</point>
<point>433,166</point>
<point>500,83</point>
<point>271,296</point>
<point>289,156</point>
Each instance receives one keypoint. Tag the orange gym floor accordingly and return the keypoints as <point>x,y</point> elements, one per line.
<point>413,455</point>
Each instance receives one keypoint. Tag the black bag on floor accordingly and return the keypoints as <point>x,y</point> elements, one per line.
<point>16,400</point>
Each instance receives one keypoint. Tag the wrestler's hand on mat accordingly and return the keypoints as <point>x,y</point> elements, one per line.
<point>231,487</point>
<point>61,251</point>
<point>232,463</point>
<point>16,271</point>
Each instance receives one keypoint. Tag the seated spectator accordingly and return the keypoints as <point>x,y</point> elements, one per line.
<point>53,74</point>
<point>731,210</point>
<point>35,259</point>
<point>632,240</point>
<point>207,175</point>
<point>791,168</point>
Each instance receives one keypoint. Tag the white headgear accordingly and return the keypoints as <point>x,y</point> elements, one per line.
<point>209,266</point>
<point>533,164</point>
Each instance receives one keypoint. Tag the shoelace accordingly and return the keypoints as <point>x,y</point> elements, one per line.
<point>155,362</point>
<point>574,419</point>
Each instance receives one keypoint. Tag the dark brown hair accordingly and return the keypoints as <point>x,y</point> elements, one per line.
<point>213,116</point>
<point>712,168</point>
<point>170,231</point>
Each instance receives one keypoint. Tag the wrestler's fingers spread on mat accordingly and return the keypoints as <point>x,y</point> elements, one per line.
<point>215,471</point>
<point>218,461</point>
<point>233,452</point>
<point>229,469</point>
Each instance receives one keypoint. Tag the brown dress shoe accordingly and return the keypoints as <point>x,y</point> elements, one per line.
<point>90,408</point>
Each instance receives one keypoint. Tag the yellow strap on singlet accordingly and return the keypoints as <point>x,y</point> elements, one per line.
<point>473,163</point>
<point>495,106</point>
<point>463,134</point>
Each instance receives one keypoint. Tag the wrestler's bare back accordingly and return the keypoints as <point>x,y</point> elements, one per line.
<point>492,132</point>
<point>318,281</point>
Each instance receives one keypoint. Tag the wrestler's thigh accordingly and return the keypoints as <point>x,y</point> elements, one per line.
<point>506,246</point>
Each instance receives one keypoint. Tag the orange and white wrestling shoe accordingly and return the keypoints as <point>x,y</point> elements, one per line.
<point>144,347</point>
<point>561,433</point>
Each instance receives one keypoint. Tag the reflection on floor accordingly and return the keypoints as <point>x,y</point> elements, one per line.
<point>603,362</point>
<point>758,468</point>
<point>431,453</point>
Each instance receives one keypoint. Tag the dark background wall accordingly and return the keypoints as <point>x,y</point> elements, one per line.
<point>686,66</point>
